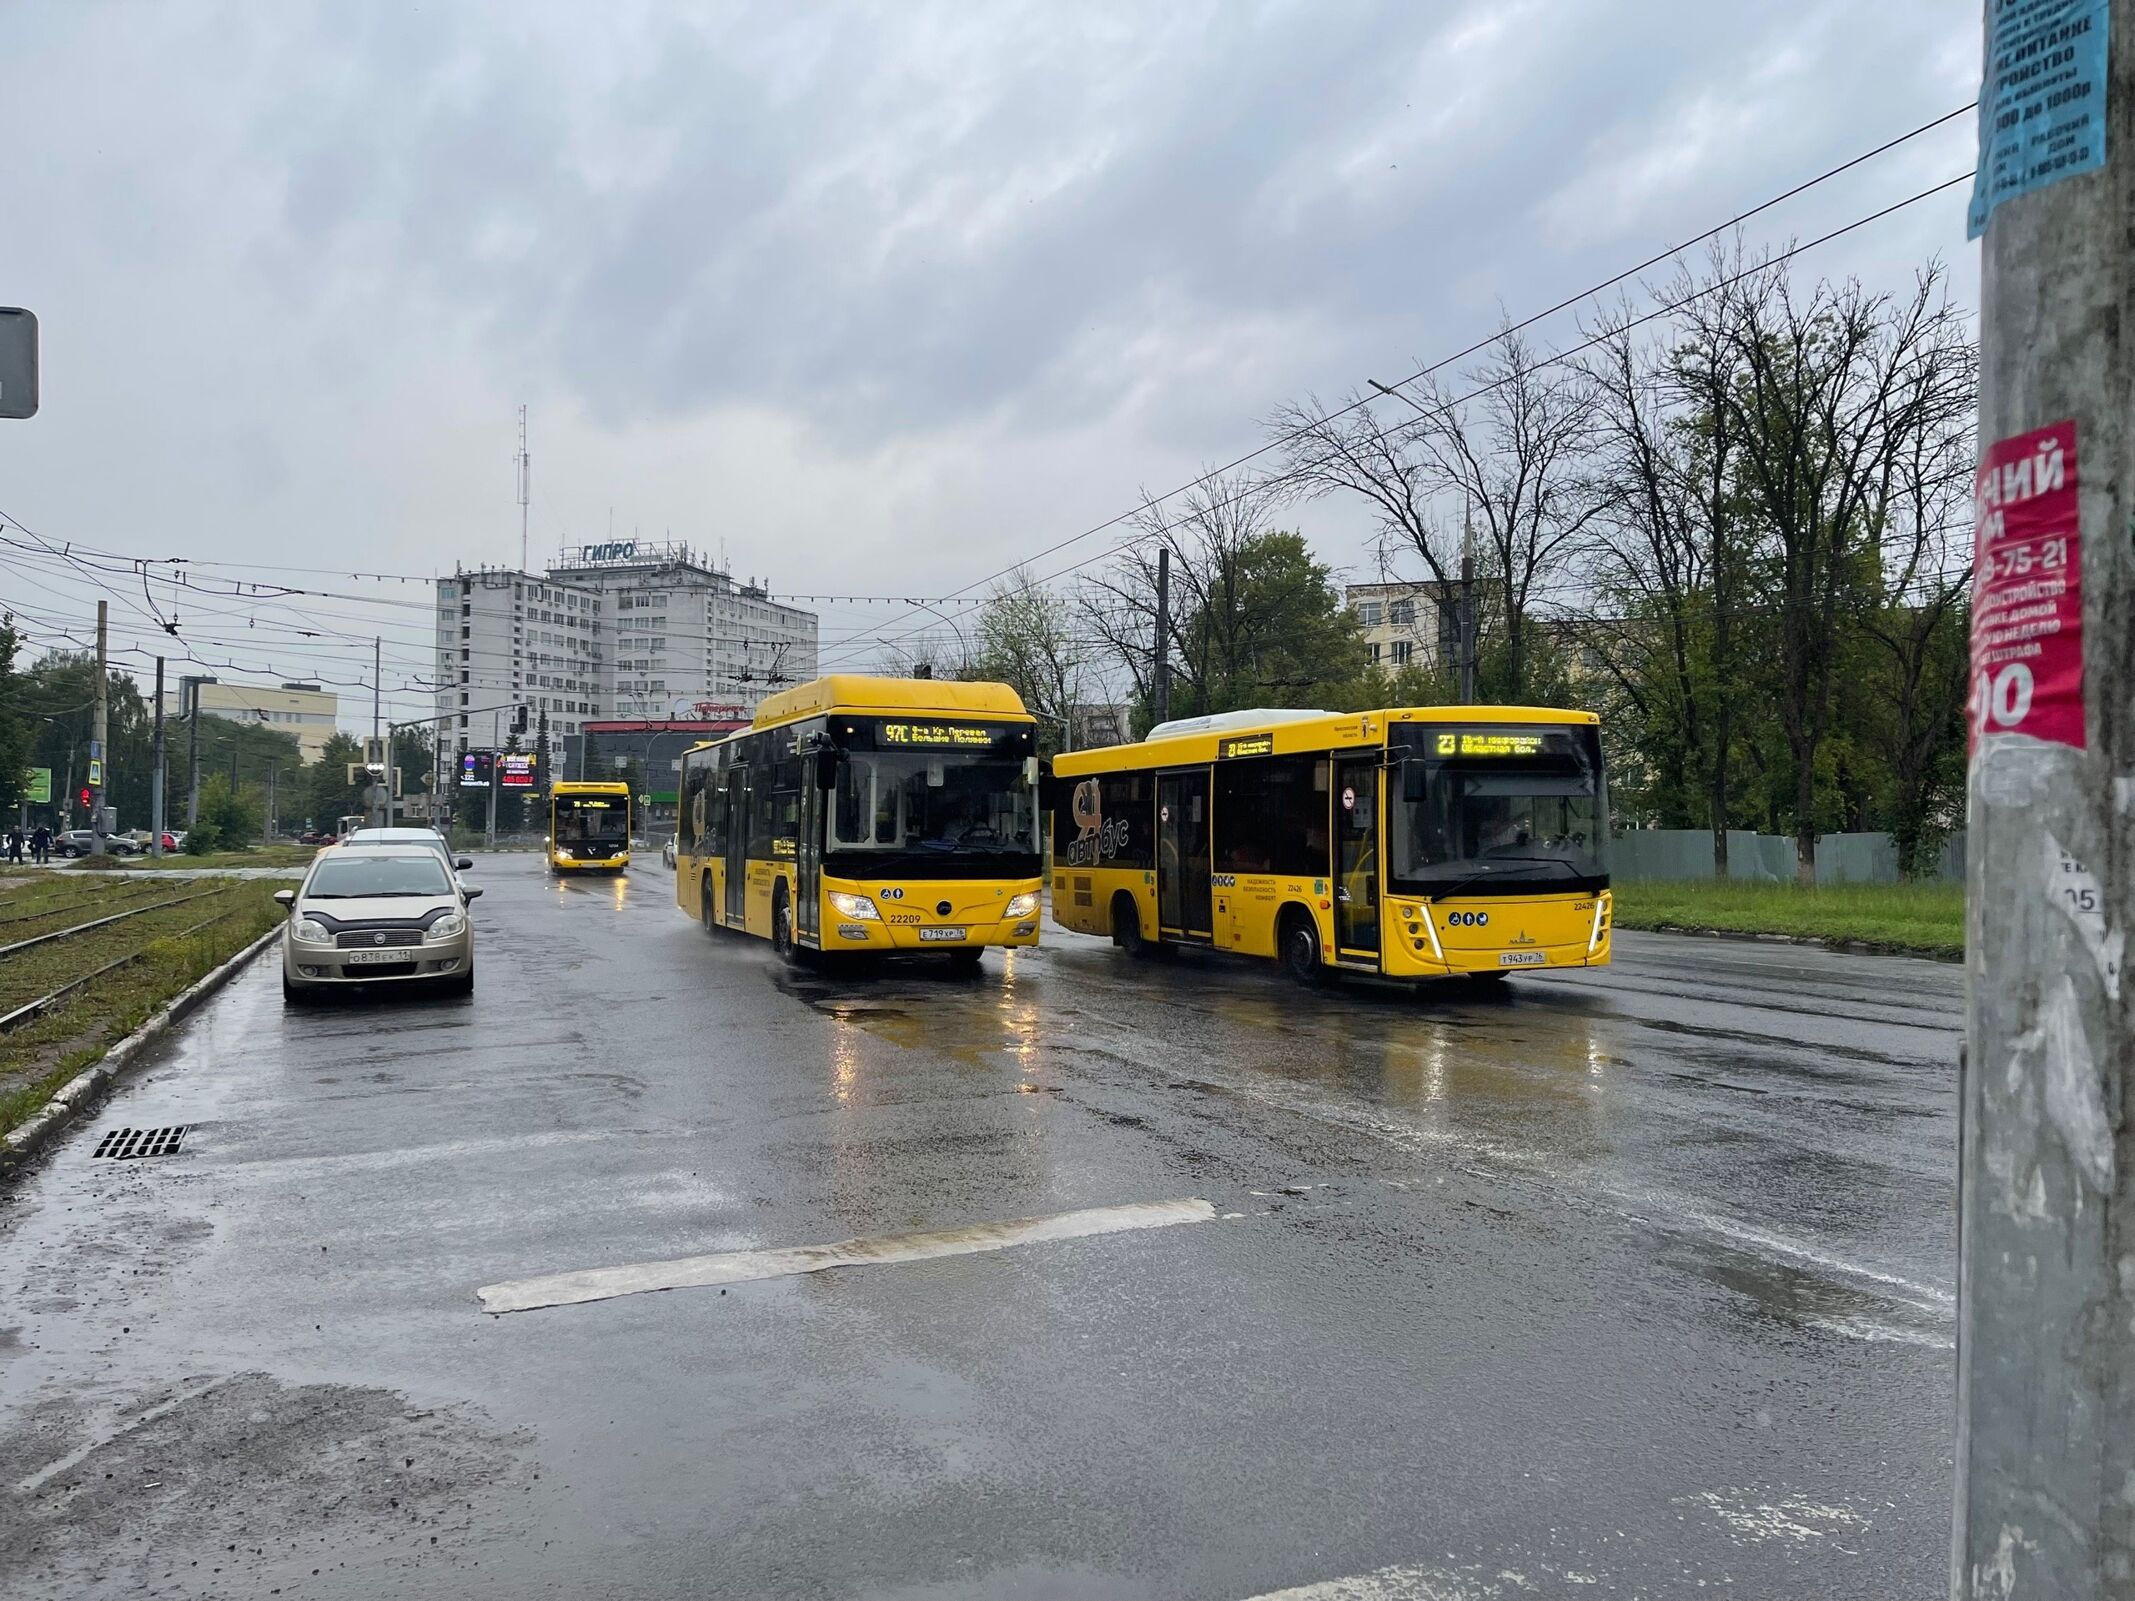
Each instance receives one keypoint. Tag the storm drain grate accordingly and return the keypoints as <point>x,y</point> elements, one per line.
<point>124,1144</point>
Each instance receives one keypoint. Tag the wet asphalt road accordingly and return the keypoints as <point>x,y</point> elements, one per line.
<point>1632,1283</point>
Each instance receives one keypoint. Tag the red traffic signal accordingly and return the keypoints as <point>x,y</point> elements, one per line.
<point>86,797</point>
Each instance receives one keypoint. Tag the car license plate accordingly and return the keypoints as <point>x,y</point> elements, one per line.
<point>1521,959</point>
<point>400,953</point>
<point>929,935</point>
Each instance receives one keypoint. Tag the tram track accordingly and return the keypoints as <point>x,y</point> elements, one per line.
<point>101,922</point>
<point>34,1009</point>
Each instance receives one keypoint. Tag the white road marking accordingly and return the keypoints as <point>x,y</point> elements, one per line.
<point>738,1267</point>
<point>1402,1583</point>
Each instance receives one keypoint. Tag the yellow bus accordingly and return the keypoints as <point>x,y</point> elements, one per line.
<point>861,814</point>
<point>1413,842</point>
<point>589,827</point>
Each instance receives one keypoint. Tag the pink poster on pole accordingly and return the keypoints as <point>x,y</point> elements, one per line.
<point>2027,589</point>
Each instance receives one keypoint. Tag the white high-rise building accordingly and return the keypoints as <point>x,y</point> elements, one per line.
<point>619,630</point>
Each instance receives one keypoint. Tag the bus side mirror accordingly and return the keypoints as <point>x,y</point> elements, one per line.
<point>1413,778</point>
<point>1033,771</point>
<point>826,768</point>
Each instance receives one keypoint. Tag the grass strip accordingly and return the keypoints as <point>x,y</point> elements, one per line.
<point>43,1054</point>
<point>1915,919</point>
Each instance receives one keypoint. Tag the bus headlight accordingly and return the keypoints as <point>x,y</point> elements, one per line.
<point>1020,906</point>
<point>857,907</point>
<point>451,926</point>
<point>313,932</point>
<point>1601,922</point>
<point>1431,928</point>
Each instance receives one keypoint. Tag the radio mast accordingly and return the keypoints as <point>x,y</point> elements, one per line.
<point>526,478</point>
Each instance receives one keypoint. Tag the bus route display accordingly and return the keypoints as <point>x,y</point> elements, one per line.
<point>941,736</point>
<point>1488,745</point>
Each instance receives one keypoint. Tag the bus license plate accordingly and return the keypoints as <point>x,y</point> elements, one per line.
<point>1521,958</point>
<point>364,958</point>
<point>930,934</point>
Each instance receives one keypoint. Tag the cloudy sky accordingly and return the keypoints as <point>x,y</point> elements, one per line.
<point>882,297</point>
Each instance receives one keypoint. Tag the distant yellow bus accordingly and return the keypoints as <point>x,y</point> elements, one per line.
<point>589,827</point>
<point>1413,842</point>
<point>860,814</point>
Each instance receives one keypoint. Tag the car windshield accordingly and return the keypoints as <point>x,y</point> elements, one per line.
<point>1522,809</point>
<point>352,875</point>
<point>938,803</point>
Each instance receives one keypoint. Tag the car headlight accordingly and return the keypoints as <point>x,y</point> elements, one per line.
<point>450,926</point>
<point>857,907</point>
<point>313,932</point>
<point>1020,906</point>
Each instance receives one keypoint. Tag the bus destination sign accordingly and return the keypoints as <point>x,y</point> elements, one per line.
<point>1246,745</point>
<point>941,736</point>
<point>1489,745</point>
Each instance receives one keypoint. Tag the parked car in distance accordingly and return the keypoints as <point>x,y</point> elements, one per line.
<point>82,842</point>
<point>428,839</point>
<point>384,915</point>
<point>316,836</point>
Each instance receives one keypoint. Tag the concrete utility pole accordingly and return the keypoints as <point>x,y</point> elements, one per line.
<point>155,775</point>
<point>2046,1263</point>
<point>102,731</point>
<point>191,687</point>
<point>1160,670</point>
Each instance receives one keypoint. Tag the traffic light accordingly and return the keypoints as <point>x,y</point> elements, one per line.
<point>85,795</point>
<point>519,721</point>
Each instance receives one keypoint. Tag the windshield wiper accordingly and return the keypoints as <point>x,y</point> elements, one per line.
<point>1460,884</point>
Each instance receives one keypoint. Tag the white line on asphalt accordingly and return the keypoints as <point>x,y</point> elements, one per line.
<point>1404,1583</point>
<point>737,1267</point>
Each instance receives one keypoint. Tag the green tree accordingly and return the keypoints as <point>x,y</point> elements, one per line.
<point>328,794</point>
<point>1026,640</point>
<point>230,819</point>
<point>16,732</point>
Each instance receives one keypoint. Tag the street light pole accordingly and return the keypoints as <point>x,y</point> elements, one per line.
<point>2045,1449</point>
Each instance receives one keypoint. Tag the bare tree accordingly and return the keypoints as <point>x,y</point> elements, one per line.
<point>1506,448</point>
<point>1832,390</point>
<point>1212,631</point>
<point>1027,640</point>
<point>1666,544</point>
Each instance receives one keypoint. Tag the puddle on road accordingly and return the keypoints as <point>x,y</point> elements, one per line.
<point>1806,1297</point>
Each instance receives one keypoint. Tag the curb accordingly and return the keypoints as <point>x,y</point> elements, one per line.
<point>1845,947</point>
<point>32,1135</point>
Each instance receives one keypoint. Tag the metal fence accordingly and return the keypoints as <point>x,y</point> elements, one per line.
<point>1687,854</point>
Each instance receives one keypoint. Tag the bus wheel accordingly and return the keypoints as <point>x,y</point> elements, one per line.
<point>1127,925</point>
<point>1300,948</point>
<point>704,907</point>
<point>782,940</point>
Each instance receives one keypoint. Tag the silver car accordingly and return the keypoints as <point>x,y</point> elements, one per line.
<point>428,839</point>
<point>377,916</point>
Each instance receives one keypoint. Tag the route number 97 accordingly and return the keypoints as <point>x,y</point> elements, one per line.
<point>2002,700</point>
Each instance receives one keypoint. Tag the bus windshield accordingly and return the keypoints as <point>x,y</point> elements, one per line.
<point>1496,809</point>
<point>592,820</point>
<point>928,811</point>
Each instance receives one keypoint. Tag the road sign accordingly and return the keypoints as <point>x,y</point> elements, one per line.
<point>40,790</point>
<point>18,362</point>
<point>96,772</point>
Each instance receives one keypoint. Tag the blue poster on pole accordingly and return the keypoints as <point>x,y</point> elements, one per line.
<point>2042,104</point>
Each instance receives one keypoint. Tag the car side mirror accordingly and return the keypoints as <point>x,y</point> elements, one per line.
<point>461,864</point>
<point>285,897</point>
<point>473,892</point>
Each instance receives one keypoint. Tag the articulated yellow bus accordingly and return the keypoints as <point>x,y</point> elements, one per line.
<point>1414,842</point>
<point>867,814</point>
<point>589,827</point>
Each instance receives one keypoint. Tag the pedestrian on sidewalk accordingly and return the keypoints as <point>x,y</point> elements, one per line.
<point>41,844</point>
<point>14,843</point>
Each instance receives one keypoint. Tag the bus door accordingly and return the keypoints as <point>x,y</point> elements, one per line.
<point>1182,859</point>
<point>808,858</point>
<point>1356,856</point>
<point>737,845</point>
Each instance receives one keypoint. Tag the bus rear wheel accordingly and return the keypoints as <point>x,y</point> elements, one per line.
<point>1300,948</point>
<point>705,913</point>
<point>1127,925</point>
